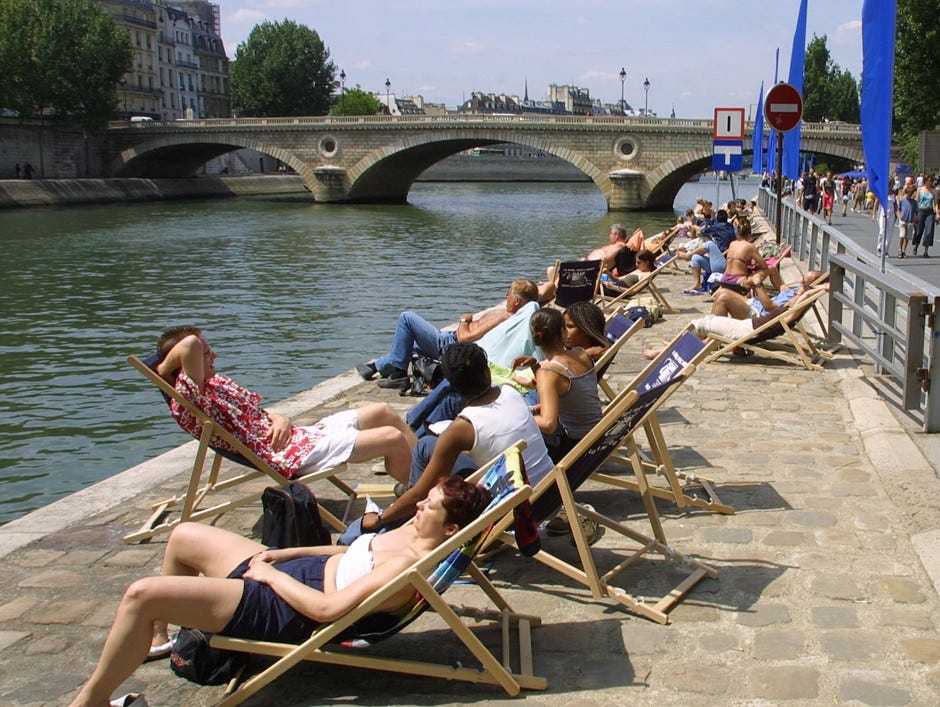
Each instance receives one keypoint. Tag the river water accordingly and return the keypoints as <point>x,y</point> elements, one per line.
<point>289,294</point>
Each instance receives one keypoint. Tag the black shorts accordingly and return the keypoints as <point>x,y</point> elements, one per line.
<point>262,615</point>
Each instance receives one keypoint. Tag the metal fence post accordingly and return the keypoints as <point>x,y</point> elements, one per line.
<point>931,384</point>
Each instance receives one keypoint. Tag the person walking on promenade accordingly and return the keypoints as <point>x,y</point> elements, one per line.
<point>887,216</point>
<point>907,219</point>
<point>927,207</point>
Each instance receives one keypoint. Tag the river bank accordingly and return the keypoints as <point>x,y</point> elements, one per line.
<point>20,193</point>
<point>820,597</point>
<point>23,193</point>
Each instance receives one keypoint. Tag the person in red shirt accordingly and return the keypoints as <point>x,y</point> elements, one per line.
<point>187,362</point>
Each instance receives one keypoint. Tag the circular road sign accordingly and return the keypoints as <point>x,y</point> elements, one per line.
<point>783,107</point>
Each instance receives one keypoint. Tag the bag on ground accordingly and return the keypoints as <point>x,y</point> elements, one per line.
<point>194,659</point>
<point>291,517</point>
<point>426,373</point>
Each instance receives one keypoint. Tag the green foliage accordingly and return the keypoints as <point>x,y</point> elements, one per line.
<point>916,67</point>
<point>282,69</point>
<point>62,59</point>
<point>356,102</point>
<point>828,90</point>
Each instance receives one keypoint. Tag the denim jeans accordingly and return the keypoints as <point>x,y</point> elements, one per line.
<point>442,403</point>
<point>923,233</point>
<point>463,467</point>
<point>413,335</point>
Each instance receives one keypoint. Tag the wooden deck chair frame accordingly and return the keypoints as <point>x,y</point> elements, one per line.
<point>682,488</point>
<point>189,503</point>
<point>621,420</point>
<point>803,350</point>
<point>582,270</point>
<point>602,365</point>
<point>493,671</point>
<point>645,286</point>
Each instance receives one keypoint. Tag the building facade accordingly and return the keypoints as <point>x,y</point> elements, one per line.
<point>179,69</point>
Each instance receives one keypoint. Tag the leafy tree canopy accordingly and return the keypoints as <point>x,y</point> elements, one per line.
<point>62,59</point>
<point>828,90</point>
<point>917,67</point>
<point>282,69</point>
<point>355,101</point>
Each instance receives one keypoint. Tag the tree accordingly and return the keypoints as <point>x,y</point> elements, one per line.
<point>61,59</point>
<point>916,67</point>
<point>828,90</point>
<point>283,68</point>
<point>355,101</point>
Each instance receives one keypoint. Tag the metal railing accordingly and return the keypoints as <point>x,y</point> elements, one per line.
<point>892,320</point>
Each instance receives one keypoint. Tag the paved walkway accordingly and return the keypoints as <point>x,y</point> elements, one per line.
<point>823,596</point>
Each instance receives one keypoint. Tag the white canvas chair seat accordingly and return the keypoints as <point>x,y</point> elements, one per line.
<point>429,577</point>
<point>793,345</point>
<point>189,505</point>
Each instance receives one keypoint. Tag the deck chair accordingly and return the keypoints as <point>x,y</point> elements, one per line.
<point>576,281</point>
<point>620,422</point>
<point>429,577</point>
<point>788,341</point>
<point>619,328</point>
<point>608,302</point>
<point>188,506</point>
<point>685,489</point>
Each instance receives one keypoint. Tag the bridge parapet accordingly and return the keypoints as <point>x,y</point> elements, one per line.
<point>637,163</point>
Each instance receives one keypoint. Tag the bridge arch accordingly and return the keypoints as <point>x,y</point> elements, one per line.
<point>181,155</point>
<point>387,173</point>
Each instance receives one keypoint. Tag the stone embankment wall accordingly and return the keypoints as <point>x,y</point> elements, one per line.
<point>53,192</point>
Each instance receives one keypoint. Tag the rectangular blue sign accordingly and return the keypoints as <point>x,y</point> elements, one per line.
<point>728,155</point>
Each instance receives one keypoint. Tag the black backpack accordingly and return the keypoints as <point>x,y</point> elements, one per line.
<point>192,658</point>
<point>291,517</point>
<point>426,374</point>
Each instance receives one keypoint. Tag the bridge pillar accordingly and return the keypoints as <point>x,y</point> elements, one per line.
<point>329,186</point>
<point>625,191</point>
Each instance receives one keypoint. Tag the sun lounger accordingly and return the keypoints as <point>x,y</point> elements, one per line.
<point>188,506</point>
<point>429,577</point>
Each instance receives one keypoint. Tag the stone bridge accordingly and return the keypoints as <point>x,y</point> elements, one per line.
<point>637,163</point>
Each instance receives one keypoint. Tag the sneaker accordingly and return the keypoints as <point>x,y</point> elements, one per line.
<point>367,371</point>
<point>397,379</point>
<point>590,528</point>
<point>559,525</point>
<point>692,291</point>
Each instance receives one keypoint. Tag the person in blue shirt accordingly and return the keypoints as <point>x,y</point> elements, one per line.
<point>706,258</point>
<point>721,231</point>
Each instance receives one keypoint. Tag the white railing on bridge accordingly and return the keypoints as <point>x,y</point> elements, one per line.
<point>891,320</point>
<point>458,119</point>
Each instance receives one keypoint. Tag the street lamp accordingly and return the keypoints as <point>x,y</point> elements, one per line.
<point>623,77</point>
<point>646,102</point>
<point>388,95</point>
<point>342,89</point>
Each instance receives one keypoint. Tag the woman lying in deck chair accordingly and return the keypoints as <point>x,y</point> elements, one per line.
<point>187,362</point>
<point>728,327</point>
<point>249,591</point>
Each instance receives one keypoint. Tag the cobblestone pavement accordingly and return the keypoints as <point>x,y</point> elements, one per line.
<point>821,598</point>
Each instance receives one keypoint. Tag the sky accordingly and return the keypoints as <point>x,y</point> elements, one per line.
<point>697,54</point>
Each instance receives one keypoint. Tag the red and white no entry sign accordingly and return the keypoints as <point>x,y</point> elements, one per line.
<point>783,107</point>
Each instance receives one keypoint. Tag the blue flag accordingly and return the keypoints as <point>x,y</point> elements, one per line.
<point>878,29</point>
<point>757,139</point>
<point>791,142</point>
